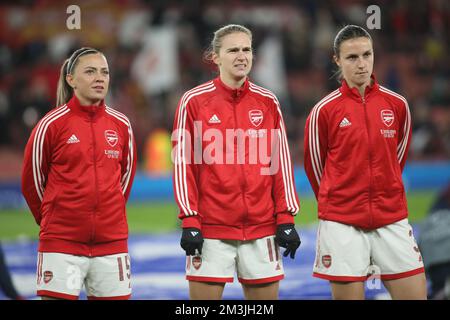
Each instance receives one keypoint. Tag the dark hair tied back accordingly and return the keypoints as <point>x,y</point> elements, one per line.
<point>348,32</point>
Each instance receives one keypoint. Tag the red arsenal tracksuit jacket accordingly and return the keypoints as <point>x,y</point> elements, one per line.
<point>221,184</point>
<point>355,151</point>
<point>78,169</point>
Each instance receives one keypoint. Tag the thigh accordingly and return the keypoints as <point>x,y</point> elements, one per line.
<point>215,264</point>
<point>205,290</point>
<point>342,252</point>
<point>262,291</point>
<point>409,288</point>
<point>347,290</point>
<point>395,251</point>
<point>109,277</point>
<point>259,261</point>
<point>60,275</point>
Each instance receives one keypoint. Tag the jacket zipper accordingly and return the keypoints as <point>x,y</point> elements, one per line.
<point>370,161</point>
<point>96,184</point>
<point>243,183</point>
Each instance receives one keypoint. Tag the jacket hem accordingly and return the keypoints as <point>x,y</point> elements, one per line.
<point>249,232</point>
<point>362,222</point>
<point>83,249</point>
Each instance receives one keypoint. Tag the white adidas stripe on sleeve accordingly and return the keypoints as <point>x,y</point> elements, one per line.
<point>181,187</point>
<point>313,135</point>
<point>38,145</point>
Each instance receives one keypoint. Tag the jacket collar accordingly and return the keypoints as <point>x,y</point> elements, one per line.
<point>89,112</point>
<point>230,94</point>
<point>354,93</point>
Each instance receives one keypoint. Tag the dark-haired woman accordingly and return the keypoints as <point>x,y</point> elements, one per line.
<point>356,143</point>
<point>78,170</point>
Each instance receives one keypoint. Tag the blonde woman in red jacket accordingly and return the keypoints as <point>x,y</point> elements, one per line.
<point>356,143</point>
<point>233,177</point>
<point>78,170</point>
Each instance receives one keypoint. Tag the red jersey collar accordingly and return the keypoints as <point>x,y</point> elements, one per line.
<point>230,93</point>
<point>354,93</point>
<point>90,112</point>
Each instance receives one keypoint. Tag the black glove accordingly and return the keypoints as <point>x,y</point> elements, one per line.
<point>287,237</point>
<point>191,239</point>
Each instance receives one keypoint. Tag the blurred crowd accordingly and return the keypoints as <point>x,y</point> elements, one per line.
<point>411,58</point>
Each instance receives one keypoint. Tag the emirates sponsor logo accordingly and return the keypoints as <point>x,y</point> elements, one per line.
<point>112,154</point>
<point>257,133</point>
<point>388,133</point>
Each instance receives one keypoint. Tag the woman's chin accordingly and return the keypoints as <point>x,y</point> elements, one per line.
<point>240,75</point>
<point>97,97</point>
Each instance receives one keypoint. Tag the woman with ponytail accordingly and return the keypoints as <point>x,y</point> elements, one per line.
<point>78,169</point>
<point>356,144</point>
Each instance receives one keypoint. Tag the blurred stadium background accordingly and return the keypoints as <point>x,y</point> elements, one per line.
<point>155,48</point>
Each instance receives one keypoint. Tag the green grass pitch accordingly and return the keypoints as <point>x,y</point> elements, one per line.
<point>159,217</point>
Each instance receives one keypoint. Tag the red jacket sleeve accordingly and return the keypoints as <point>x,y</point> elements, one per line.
<point>128,164</point>
<point>404,136</point>
<point>315,147</point>
<point>36,165</point>
<point>283,189</point>
<point>185,170</point>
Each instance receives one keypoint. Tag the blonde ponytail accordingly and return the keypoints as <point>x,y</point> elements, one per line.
<point>64,91</point>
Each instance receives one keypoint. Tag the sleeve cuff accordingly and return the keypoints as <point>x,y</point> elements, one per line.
<point>191,222</point>
<point>283,218</point>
